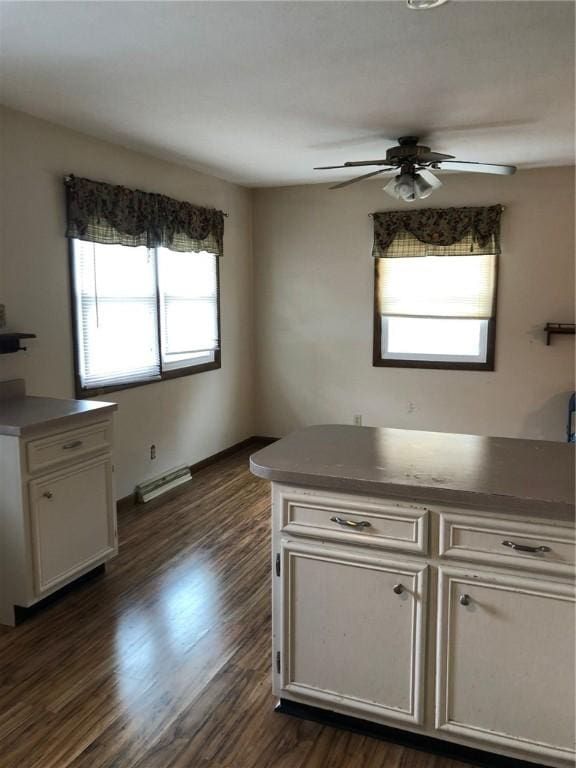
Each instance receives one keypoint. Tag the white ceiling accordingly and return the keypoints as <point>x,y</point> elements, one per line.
<point>260,92</point>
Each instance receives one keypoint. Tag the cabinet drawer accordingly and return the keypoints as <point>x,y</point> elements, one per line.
<point>66,447</point>
<point>532,546</point>
<point>375,523</point>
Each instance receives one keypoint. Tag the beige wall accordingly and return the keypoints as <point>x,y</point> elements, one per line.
<point>310,358</point>
<point>187,418</point>
<point>314,283</point>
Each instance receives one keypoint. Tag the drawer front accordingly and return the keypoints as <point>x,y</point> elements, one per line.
<point>65,447</point>
<point>536,547</point>
<point>372,523</point>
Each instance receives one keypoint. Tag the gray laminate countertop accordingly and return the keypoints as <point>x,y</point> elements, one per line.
<point>532,477</point>
<point>21,415</point>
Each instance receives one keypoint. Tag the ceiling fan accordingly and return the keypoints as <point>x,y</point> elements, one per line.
<point>412,163</point>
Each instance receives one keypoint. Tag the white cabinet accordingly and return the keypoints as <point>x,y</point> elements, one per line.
<point>505,661</point>
<point>73,523</point>
<point>57,506</point>
<point>451,623</point>
<point>353,630</point>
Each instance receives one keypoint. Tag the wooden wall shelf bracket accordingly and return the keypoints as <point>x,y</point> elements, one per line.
<point>560,328</point>
<point>10,342</point>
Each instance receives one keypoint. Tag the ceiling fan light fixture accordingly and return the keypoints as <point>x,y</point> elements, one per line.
<point>425,183</point>
<point>406,187</point>
<point>410,186</point>
<point>402,187</point>
<point>424,5</point>
<point>422,188</point>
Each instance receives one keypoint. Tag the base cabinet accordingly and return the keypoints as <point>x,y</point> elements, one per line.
<point>505,662</point>
<point>73,522</point>
<point>57,507</point>
<point>480,654</point>
<point>353,630</point>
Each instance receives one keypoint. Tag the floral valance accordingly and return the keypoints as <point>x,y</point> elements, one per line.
<point>437,232</point>
<point>104,213</point>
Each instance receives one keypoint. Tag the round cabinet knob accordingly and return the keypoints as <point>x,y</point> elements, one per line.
<point>398,589</point>
<point>47,494</point>
<point>464,599</point>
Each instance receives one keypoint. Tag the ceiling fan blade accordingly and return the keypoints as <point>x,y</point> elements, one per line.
<point>432,157</point>
<point>354,163</point>
<point>353,181</point>
<point>328,167</point>
<point>471,167</point>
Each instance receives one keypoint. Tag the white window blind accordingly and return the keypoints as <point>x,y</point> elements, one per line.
<point>188,284</point>
<point>117,317</point>
<point>437,286</point>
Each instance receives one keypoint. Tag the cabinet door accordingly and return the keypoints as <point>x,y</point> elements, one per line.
<point>73,522</point>
<point>353,632</point>
<point>505,662</point>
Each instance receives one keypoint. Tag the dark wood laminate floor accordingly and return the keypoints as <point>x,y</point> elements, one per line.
<point>163,662</point>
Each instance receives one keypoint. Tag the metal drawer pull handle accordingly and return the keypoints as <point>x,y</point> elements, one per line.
<point>72,444</point>
<point>351,523</point>
<point>464,599</point>
<point>398,589</point>
<point>524,547</point>
<point>47,494</point>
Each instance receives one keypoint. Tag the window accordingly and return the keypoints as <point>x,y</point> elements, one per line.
<point>435,287</point>
<point>145,285</point>
<point>188,289</point>
<point>142,314</point>
<point>435,311</point>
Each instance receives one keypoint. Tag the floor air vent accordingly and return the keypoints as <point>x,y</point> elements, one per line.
<point>155,487</point>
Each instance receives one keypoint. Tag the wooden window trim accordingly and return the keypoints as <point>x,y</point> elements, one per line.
<point>175,373</point>
<point>379,362</point>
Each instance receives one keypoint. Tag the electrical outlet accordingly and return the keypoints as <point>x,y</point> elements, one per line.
<point>357,419</point>
<point>152,452</point>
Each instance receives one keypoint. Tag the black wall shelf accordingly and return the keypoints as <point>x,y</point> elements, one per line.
<point>10,342</point>
<point>560,328</point>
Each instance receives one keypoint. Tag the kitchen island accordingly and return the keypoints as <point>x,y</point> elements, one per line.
<point>424,587</point>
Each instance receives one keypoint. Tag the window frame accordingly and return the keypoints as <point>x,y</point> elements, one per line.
<point>446,365</point>
<point>165,375</point>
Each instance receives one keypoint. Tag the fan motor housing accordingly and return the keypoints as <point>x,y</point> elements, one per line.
<point>408,147</point>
